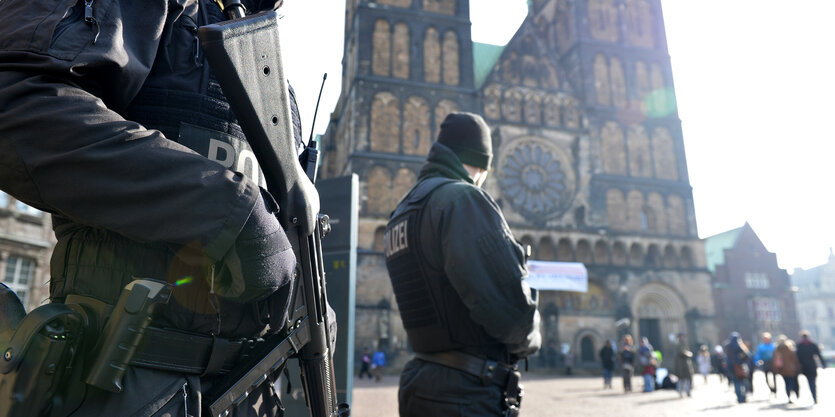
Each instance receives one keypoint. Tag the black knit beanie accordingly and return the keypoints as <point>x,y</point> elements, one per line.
<point>468,135</point>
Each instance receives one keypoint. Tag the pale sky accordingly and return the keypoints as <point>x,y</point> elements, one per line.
<point>754,84</point>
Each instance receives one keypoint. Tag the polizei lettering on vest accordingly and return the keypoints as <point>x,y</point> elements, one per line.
<point>395,239</point>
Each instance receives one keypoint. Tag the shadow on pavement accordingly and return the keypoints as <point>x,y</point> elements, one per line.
<point>785,407</point>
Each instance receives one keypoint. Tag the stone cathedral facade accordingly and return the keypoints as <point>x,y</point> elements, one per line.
<point>589,160</point>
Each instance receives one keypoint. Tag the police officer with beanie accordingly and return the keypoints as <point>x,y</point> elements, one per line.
<point>458,276</point>
<point>113,122</point>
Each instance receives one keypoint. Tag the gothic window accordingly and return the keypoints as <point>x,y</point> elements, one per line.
<point>565,253</point>
<point>450,59</point>
<point>378,190</point>
<point>403,182</point>
<point>440,6</point>
<point>687,257</point>
<point>654,256</point>
<point>492,102</point>
<point>432,56</point>
<point>381,49</point>
<point>613,149</point>
<point>533,109</point>
<point>530,71</point>
<point>659,105</point>
<point>636,255</point>
<point>601,252</point>
<point>572,114</point>
<point>677,217</point>
<point>664,154</point>
<point>443,108</point>
<point>639,156</point>
<point>510,69</point>
<point>656,204</point>
<point>548,74</point>
<point>385,123</point>
<point>546,250</point>
<point>601,80</point>
<point>512,106</point>
<point>603,19</point>
<point>616,210</point>
<point>397,3</point>
<point>642,86</point>
<point>400,51</point>
<point>417,136</point>
<point>670,257</point>
<point>639,23</point>
<point>636,216</point>
<point>618,83</point>
<point>584,252</point>
<point>619,254</point>
<point>552,110</point>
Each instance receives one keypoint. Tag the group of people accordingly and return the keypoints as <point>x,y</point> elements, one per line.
<point>645,361</point>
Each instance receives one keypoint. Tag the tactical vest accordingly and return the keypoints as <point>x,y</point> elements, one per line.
<point>433,314</point>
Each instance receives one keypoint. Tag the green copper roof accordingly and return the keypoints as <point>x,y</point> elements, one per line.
<point>715,247</point>
<point>485,57</point>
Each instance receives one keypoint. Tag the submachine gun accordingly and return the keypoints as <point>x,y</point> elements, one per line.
<point>245,55</point>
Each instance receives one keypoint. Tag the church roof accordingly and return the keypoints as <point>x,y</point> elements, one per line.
<point>485,57</point>
<point>715,247</point>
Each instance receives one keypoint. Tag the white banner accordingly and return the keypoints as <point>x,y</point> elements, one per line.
<point>561,276</point>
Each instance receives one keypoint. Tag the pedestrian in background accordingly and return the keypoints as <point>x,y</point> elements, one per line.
<point>365,368</point>
<point>683,366</point>
<point>763,359</point>
<point>787,365</point>
<point>737,357</point>
<point>378,361</point>
<point>718,362</point>
<point>607,358</point>
<point>807,351</point>
<point>627,362</point>
<point>703,360</point>
<point>647,361</point>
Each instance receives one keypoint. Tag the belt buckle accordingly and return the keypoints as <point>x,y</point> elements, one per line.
<point>488,371</point>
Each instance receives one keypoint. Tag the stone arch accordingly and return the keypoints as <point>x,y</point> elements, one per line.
<point>403,182</point>
<point>533,109</point>
<point>613,149</point>
<point>657,301</point>
<point>512,106</point>
<point>381,48</point>
<point>378,190</point>
<point>587,342</point>
<point>636,255</point>
<point>450,58</point>
<point>432,56</point>
<point>385,123</point>
<point>444,108</point>
<point>618,83</point>
<point>446,7</point>
<point>659,222</point>
<point>619,257</point>
<point>603,20</point>
<point>565,252</point>
<point>601,252</point>
<point>546,250</point>
<point>670,257</point>
<point>654,259</point>
<point>379,233</point>
<point>601,81</point>
<point>492,102</point>
<point>635,213</point>
<point>616,211</point>
<point>552,110</point>
<point>676,217</point>
<point>583,254</point>
<point>417,137</point>
<point>639,23</point>
<point>400,51</point>
<point>664,154</point>
<point>687,257</point>
<point>639,155</point>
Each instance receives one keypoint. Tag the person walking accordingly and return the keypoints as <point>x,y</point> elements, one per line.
<point>647,362</point>
<point>719,363</point>
<point>737,357</point>
<point>787,365</point>
<point>809,354</point>
<point>683,366</point>
<point>458,276</point>
<point>763,359</point>
<point>365,368</point>
<point>703,361</point>
<point>607,359</point>
<point>378,361</point>
<point>626,355</point>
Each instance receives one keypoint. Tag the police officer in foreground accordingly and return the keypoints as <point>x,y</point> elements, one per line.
<point>458,276</point>
<point>110,119</point>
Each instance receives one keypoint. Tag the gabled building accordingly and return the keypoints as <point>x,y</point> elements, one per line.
<point>752,294</point>
<point>815,299</point>
<point>589,159</point>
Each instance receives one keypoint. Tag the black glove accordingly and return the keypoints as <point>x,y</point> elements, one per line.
<point>261,261</point>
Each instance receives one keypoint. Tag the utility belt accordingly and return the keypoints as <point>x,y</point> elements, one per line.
<point>506,376</point>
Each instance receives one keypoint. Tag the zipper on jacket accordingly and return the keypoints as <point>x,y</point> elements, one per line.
<point>90,19</point>
<point>185,399</point>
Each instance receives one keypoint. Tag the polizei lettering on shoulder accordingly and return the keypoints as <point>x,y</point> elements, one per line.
<point>395,239</point>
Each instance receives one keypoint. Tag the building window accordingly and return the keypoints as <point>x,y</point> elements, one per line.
<point>756,280</point>
<point>19,275</point>
<point>767,311</point>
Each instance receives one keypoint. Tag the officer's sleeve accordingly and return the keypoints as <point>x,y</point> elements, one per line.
<point>487,268</point>
<point>66,149</point>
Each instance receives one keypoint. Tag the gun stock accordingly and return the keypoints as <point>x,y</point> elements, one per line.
<point>245,56</point>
